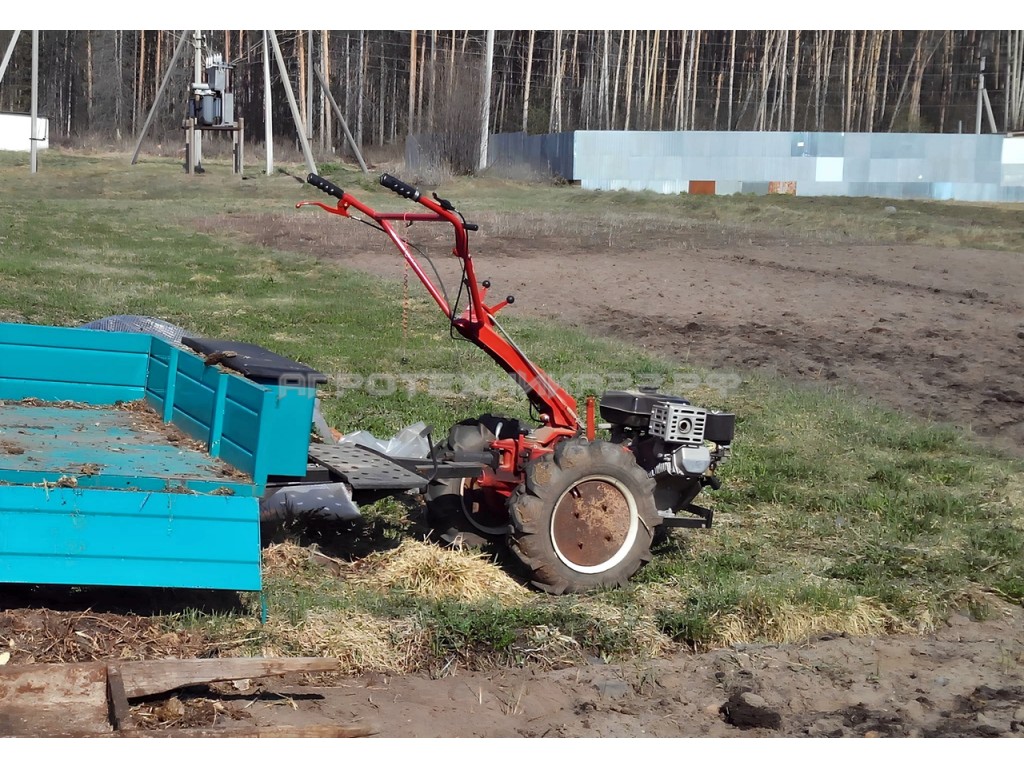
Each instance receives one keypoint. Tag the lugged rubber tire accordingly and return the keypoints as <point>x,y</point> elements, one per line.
<point>447,499</point>
<point>584,518</point>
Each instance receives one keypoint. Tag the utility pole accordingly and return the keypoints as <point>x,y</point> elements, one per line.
<point>981,89</point>
<point>486,98</point>
<point>7,55</point>
<point>159,95</point>
<point>267,111</point>
<point>33,139</point>
<point>296,117</point>
<point>983,101</point>
<point>341,118</point>
<point>197,77</point>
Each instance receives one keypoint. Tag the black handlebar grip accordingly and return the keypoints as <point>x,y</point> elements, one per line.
<point>323,184</point>
<point>399,187</point>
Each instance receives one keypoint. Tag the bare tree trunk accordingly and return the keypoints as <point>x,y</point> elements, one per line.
<point>779,103</point>
<point>718,98</point>
<point>914,115</point>
<point>526,81</point>
<point>382,106</point>
<point>848,97</point>
<point>694,70</point>
<point>618,70</point>
<point>393,124</point>
<point>732,74</point>
<point>885,78</point>
<point>872,88</point>
<point>575,72</point>
<point>664,81</point>
<point>118,89</point>
<point>156,69</point>
<point>451,62</point>
<point>947,80</point>
<point>629,77</point>
<point>326,117</point>
<point>412,82</point>
<point>555,118</point>
<point>301,46</point>
<point>140,64</point>
<point>603,93</point>
<point>682,76</point>
<point>347,82</point>
<point>432,96</point>
<point>796,77</point>
<point>762,105</point>
<point>88,79</point>
<point>857,105</point>
<point>650,82</point>
<point>1015,84</point>
<point>419,84</point>
<point>360,86</point>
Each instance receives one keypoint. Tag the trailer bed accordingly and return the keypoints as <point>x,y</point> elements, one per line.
<point>113,447</point>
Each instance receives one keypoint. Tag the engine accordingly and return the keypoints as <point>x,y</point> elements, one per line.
<point>679,444</point>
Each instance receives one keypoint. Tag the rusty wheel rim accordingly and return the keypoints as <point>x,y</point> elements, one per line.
<point>594,524</point>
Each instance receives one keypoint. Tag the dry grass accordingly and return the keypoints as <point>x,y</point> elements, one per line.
<point>45,636</point>
<point>646,639</point>
<point>760,620</point>
<point>428,571</point>
<point>360,641</point>
<point>285,559</point>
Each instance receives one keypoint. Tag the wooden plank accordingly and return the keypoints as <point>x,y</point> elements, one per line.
<point>318,731</point>
<point>117,700</point>
<point>57,700</point>
<point>146,678</point>
<point>53,700</point>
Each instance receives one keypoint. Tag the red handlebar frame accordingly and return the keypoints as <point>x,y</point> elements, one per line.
<point>556,407</point>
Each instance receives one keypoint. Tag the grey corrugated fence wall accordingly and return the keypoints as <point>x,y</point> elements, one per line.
<point>896,165</point>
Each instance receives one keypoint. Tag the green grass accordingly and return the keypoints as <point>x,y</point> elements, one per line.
<point>834,515</point>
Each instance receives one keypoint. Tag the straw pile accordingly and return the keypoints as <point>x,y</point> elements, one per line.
<point>428,571</point>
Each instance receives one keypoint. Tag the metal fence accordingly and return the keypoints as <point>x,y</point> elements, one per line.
<point>893,165</point>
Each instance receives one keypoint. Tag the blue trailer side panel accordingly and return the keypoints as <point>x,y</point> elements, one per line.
<point>75,536</point>
<point>93,367</point>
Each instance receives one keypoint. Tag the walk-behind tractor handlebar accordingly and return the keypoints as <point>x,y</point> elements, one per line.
<point>477,322</point>
<point>577,513</point>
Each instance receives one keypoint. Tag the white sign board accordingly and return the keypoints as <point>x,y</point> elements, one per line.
<point>16,132</point>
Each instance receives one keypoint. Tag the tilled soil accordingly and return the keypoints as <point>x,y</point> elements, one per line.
<point>936,332</point>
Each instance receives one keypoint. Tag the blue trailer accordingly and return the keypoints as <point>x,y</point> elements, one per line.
<point>128,460</point>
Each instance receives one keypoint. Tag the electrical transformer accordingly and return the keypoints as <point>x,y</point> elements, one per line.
<point>212,103</point>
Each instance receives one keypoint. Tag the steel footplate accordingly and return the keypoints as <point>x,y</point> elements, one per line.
<point>365,469</point>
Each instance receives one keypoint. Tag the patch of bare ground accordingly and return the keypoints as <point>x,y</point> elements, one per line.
<point>936,332</point>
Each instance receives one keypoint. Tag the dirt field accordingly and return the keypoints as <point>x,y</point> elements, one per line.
<point>937,332</point>
<point>933,332</point>
<point>966,680</point>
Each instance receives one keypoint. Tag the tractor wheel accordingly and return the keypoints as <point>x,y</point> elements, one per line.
<point>584,517</point>
<point>458,510</point>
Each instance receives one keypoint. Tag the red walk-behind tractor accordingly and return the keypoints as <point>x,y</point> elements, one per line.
<point>578,513</point>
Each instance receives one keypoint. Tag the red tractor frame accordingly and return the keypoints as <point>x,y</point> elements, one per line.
<point>577,512</point>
